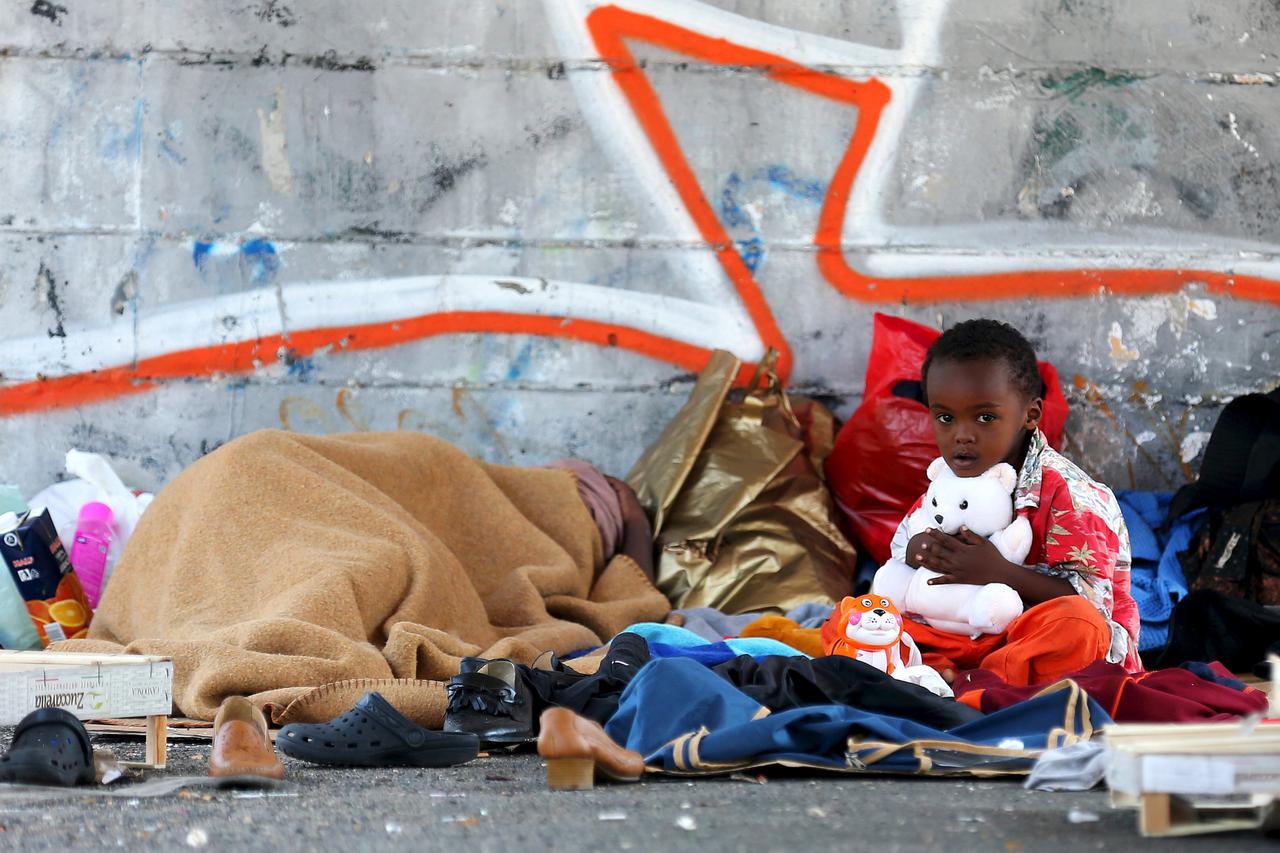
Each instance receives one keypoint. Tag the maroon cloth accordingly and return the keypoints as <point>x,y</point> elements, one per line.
<point>1157,696</point>
<point>600,499</point>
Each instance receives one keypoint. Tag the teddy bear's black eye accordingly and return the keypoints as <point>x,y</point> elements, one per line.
<point>964,504</point>
<point>935,501</point>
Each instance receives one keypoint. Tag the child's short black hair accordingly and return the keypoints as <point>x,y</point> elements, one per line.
<point>973,340</point>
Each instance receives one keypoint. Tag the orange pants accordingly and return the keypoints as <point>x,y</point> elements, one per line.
<point>1045,643</point>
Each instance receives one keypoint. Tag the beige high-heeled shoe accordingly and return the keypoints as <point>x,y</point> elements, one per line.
<point>578,752</point>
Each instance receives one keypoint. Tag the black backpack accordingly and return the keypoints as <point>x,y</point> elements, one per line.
<point>1237,552</point>
<point>1236,548</point>
<point>1241,462</point>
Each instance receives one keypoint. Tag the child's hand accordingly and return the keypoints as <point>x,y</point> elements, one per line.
<point>915,553</point>
<point>963,558</point>
<point>969,558</point>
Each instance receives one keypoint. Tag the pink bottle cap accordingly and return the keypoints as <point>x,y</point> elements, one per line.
<point>96,511</point>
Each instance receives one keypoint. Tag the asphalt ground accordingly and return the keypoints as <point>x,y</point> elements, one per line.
<point>501,803</point>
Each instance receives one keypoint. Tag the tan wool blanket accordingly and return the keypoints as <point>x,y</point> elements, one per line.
<point>302,571</point>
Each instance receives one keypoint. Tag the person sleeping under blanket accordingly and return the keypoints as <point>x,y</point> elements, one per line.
<point>304,571</point>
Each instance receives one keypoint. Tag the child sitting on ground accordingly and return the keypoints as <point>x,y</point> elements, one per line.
<point>984,392</point>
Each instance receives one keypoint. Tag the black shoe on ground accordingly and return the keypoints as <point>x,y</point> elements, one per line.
<point>492,703</point>
<point>375,734</point>
<point>50,747</point>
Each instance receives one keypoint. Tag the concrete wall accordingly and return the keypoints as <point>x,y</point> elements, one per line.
<point>220,215</point>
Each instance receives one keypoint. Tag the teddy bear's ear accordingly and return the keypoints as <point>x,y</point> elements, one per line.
<point>1003,473</point>
<point>845,605</point>
<point>936,467</point>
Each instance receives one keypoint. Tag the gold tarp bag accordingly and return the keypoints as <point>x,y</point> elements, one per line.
<point>742,517</point>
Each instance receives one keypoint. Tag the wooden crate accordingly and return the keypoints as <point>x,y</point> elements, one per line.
<point>1161,815</point>
<point>1188,779</point>
<point>92,687</point>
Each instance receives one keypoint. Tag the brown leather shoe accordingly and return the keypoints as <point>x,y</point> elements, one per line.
<point>578,751</point>
<point>241,745</point>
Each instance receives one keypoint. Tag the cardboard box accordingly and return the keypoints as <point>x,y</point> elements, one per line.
<point>92,687</point>
<point>39,564</point>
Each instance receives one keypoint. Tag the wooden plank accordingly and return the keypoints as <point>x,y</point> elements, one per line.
<point>1153,814</point>
<point>1190,816</point>
<point>1260,733</point>
<point>75,658</point>
<point>201,733</point>
<point>157,741</point>
<point>61,666</point>
<point>1124,799</point>
<point>1199,739</point>
<point>1237,745</point>
<point>1126,731</point>
<point>124,731</point>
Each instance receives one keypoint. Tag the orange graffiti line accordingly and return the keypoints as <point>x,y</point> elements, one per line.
<point>610,26</point>
<point>79,389</point>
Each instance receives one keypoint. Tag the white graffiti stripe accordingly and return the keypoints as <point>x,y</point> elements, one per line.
<point>921,23</point>
<point>244,317</point>
<point>615,129</point>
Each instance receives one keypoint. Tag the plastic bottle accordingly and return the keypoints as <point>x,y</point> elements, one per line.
<point>90,546</point>
<point>11,500</point>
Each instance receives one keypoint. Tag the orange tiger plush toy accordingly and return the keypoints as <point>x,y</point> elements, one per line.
<point>869,628</point>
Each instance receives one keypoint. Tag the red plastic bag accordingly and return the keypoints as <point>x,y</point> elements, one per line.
<point>877,468</point>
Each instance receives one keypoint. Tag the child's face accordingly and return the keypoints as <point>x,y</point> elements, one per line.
<point>980,418</point>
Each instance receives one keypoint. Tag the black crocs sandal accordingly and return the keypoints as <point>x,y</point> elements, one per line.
<point>50,747</point>
<point>374,734</point>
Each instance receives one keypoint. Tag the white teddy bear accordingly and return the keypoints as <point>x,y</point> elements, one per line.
<point>982,504</point>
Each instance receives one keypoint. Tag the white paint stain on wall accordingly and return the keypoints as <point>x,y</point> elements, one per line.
<point>1183,307</point>
<point>1120,353</point>
<point>1235,131</point>
<point>275,147</point>
<point>509,215</point>
<point>1193,444</point>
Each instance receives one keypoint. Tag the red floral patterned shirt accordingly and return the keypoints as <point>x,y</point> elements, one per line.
<point>1078,535</point>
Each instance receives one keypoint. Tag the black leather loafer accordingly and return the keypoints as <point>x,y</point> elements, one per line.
<point>492,703</point>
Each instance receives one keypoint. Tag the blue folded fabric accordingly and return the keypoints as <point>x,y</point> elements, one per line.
<point>711,654</point>
<point>1143,512</point>
<point>672,635</point>
<point>1155,579</point>
<point>683,717</point>
<point>1208,673</point>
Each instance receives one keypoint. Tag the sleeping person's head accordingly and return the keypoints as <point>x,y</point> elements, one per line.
<point>984,394</point>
